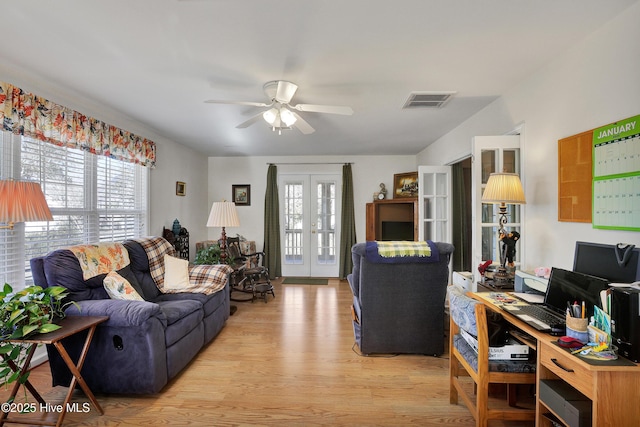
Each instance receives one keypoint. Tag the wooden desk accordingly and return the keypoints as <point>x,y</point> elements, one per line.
<point>614,390</point>
<point>52,414</point>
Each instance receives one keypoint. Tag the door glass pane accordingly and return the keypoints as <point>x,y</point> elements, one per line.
<point>441,230</point>
<point>326,222</point>
<point>488,214</point>
<point>428,208</point>
<point>293,222</point>
<point>428,231</point>
<point>441,208</point>
<point>428,184</point>
<point>509,161</point>
<point>488,164</point>
<point>441,184</point>
<point>489,244</point>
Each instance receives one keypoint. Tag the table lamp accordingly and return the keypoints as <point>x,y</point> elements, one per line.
<point>223,214</point>
<point>22,201</point>
<point>503,188</point>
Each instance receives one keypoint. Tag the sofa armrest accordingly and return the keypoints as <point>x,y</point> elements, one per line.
<point>120,312</point>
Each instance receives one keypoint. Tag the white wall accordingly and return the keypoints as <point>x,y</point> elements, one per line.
<point>175,162</point>
<point>368,172</point>
<point>593,84</point>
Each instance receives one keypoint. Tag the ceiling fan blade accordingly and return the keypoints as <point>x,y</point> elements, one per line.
<point>285,91</point>
<point>302,125</point>
<point>331,109</point>
<point>251,121</point>
<point>253,104</point>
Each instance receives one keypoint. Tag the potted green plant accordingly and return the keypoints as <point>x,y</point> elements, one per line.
<point>23,313</point>
<point>208,256</point>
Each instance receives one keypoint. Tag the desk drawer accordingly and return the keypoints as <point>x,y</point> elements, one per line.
<point>567,367</point>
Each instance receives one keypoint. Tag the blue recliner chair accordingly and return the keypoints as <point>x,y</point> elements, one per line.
<point>398,303</point>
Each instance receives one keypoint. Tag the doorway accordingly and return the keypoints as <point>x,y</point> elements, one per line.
<point>310,208</point>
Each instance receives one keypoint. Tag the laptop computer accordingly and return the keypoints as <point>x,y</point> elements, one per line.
<point>565,287</point>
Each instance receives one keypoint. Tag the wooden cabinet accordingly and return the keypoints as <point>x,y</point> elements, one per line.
<point>395,219</point>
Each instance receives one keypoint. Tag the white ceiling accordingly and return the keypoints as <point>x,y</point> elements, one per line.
<point>156,61</point>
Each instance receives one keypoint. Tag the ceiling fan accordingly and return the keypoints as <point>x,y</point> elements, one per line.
<point>280,114</point>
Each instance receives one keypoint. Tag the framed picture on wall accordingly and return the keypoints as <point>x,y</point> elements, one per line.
<point>405,185</point>
<point>181,188</point>
<point>241,194</point>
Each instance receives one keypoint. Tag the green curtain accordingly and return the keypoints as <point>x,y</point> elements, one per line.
<point>271,248</point>
<point>459,211</point>
<point>347,223</point>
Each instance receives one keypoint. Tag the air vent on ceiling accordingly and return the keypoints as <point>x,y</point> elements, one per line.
<point>428,99</point>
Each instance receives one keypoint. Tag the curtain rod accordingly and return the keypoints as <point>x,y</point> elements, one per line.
<point>313,163</point>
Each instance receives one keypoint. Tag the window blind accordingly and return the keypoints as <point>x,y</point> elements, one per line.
<point>92,199</point>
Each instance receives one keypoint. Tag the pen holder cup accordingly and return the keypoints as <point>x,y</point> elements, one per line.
<point>577,328</point>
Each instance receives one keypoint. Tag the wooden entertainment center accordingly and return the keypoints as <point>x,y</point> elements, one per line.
<point>392,219</point>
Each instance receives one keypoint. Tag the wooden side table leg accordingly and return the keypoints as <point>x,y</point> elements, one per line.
<point>77,376</point>
<point>23,370</point>
<point>17,384</point>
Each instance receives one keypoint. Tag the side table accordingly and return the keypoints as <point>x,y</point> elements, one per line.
<point>70,325</point>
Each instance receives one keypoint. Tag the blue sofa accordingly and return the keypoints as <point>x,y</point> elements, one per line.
<point>398,302</point>
<point>144,344</point>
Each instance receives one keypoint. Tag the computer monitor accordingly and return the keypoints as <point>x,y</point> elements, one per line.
<point>601,260</point>
<point>569,286</point>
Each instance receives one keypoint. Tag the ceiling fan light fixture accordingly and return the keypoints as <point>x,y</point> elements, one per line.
<point>287,117</point>
<point>280,114</point>
<point>270,116</point>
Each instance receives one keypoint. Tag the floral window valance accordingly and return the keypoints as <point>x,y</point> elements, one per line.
<point>24,113</point>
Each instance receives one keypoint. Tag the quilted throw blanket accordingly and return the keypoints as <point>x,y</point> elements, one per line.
<point>398,252</point>
<point>101,258</point>
<point>403,248</point>
<point>206,279</point>
<point>156,248</point>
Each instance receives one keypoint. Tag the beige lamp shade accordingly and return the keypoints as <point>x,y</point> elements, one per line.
<point>223,214</point>
<point>22,201</point>
<point>504,188</point>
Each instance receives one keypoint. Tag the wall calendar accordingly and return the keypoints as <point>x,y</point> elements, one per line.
<point>616,175</point>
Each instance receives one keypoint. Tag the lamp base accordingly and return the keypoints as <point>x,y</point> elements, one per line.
<point>223,247</point>
<point>502,277</point>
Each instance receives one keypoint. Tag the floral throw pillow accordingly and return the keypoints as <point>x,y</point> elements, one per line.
<point>119,288</point>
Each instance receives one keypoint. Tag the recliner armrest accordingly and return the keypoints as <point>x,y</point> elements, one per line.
<point>120,312</point>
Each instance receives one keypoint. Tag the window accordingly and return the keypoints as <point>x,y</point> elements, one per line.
<point>92,199</point>
<point>293,220</point>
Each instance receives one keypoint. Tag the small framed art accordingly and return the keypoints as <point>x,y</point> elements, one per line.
<point>405,185</point>
<point>181,188</point>
<point>241,194</point>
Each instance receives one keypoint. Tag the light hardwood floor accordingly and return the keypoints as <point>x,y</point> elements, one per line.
<point>289,362</point>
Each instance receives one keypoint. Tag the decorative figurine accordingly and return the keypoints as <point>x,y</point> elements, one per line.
<point>509,246</point>
<point>383,190</point>
<point>176,227</point>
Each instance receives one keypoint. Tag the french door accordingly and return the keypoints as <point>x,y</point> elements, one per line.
<point>493,154</point>
<point>309,218</point>
<point>434,203</point>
